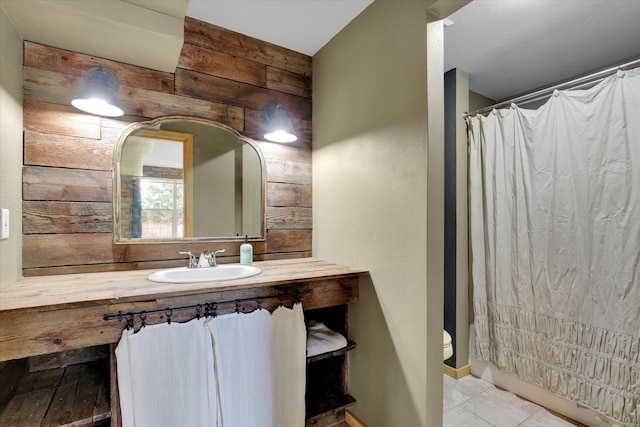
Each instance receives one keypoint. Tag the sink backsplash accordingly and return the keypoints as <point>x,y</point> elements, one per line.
<point>67,174</point>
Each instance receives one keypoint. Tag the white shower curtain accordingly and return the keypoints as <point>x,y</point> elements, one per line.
<point>235,370</point>
<point>555,244</point>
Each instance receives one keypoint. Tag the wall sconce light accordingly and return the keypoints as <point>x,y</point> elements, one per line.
<point>99,93</point>
<point>280,129</point>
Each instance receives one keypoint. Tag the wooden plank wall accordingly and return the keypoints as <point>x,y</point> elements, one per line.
<point>67,173</point>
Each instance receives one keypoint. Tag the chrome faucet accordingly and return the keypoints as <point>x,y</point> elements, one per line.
<point>206,259</point>
<point>192,259</point>
<point>212,258</point>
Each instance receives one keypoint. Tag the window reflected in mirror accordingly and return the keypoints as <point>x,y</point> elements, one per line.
<point>184,178</point>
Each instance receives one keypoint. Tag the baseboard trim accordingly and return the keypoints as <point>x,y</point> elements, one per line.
<point>352,420</point>
<point>457,373</point>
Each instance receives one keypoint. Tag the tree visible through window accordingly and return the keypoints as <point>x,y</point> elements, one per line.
<point>162,207</point>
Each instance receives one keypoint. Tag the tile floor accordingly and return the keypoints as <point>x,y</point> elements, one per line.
<point>472,402</point>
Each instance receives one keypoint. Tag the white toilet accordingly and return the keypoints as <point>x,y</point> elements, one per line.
<point>448,347</point>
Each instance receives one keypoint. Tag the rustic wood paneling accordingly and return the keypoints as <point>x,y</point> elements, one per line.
<point>299,152</point>
<point>220,64</point>
<point>288,82</point>
<point>59,120</point>
<point>72,357</point>
<point>288,217</point>
<point>217,89</point>
<point>67,151</point>
<point>58,184</point>
<point>11,374</point>
<point>213,37</point>
<point>279,170</point>
<point>67,175</point>
<point>288,194</point>
<point>144,103</point>
<point>288,241</point>
<point>66,217</point>
<point>77,64</point>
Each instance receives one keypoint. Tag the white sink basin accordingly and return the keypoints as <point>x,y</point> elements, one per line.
<point>201,275</point>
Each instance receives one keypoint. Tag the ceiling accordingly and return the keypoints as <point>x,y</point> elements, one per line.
<point>302,25</point>
<point>508,47</point>
<point>513,47</point>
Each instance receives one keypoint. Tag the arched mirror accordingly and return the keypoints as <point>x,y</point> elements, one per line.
<point>184,178</point>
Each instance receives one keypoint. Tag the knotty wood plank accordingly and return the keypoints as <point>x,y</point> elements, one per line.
<point>289,217</point>
<point>100,268</point>
<point>150,104</point>
<point>235,118</point>
<point>59,119</point>
<point>50,87</point>
<point>300,153</point>
<point>74,401</point>
<point>77,64</point>
<point>286,81</point>
<point>102,407</point>
<point>27,409</point>
<point>116,417</point>
<point>67,152</point>
<point>288,194</point>
<point>213,37</point>
<point>220,64</point>
<point>11,374</point>
<point>40,380</point>
<point>216,89</point>
<point>286,255</point>
<point>66,217</point>
<point>111,128</point>
<point>61,330</point>
<point>70,249</point>
<point>284,171</point>
<point>43,183</point>
<point>72,357</point>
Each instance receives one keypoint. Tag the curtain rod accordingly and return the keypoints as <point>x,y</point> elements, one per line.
<point>209,309</point>
<point>546,92</point>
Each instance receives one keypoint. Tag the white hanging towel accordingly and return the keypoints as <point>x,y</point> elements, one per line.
<point>165,374</point>
<point>260,366</point>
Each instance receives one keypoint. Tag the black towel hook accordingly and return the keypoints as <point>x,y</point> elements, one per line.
<point>130,321</point>
<point>143,317</point>
<point>169,313</point>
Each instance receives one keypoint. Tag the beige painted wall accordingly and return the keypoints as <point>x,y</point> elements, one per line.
<point>371,199</point>
<point>11,149</point>
<point>477,101</point>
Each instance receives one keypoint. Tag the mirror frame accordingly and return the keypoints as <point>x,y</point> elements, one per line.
<point>116,182</point>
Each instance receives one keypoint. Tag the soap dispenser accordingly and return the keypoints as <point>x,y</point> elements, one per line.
<point>246,252</point>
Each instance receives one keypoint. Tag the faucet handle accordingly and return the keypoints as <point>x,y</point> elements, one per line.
<point>192,258</point>
<point>213,261</point>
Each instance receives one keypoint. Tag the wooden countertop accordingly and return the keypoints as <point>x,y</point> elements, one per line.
<point>45,293</point>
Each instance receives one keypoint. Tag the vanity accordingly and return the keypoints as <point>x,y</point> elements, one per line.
<point>58,334</point>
